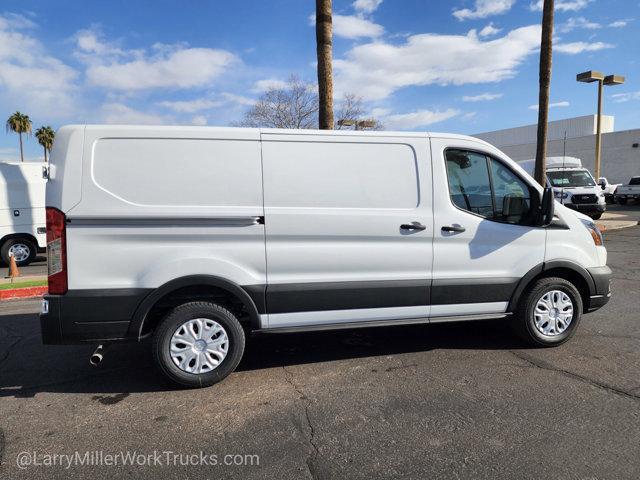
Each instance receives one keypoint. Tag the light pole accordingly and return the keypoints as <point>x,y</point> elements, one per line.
<point>593,76</point>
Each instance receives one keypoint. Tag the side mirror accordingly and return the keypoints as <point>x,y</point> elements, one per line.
<point>603,186</point>
<point>547,203</point>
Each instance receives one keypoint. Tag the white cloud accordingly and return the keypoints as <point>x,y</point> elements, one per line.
<point>206,103</point>
<point>380,112</point>
<point>625,97</point>
<point>267,84</point>
<point>366,6</point>
<point>199,120</point>
<point>578,22</point>
<point>177,67</point>
<point>9,154</point>
<point>483,97</point>
<point>30,77</point>
<point>89,43</point>
<point>120,114</point>
<point>15,21</point>
<point>484,8</point>
<point>419,118</point>
<point>551,105</point>
<point>574,48</point>
<point>238,99</point>
<point>191,106</point>
<point>376,70</point>
<point>562,5</point>
<point>352,27</point>
<point>619,23</point>
<point>489,31</point>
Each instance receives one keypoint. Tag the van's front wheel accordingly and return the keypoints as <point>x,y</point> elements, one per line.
<point>198,344</point>
<point>549,313</point>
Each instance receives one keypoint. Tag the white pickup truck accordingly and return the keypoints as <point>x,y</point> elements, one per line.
<point>624,193</point>
<point>609,189</point>
<point>573,185</point>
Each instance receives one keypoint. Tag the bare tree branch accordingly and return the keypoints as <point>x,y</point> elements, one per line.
<point>296,106</point>
<point>352,108</point>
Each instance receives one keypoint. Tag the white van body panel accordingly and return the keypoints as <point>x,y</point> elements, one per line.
<point>64,188</point>
<point>158,203</point>
<point>22,200</point>
<point>575,243</point>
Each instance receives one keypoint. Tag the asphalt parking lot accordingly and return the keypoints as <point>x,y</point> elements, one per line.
<point>445,401</point>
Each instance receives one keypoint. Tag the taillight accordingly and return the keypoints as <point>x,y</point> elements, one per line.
<point>57,251</point>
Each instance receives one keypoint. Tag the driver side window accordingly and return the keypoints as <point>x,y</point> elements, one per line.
<point>486,187</point>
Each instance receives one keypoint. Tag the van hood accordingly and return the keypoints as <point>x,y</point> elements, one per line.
<point>570,211</point>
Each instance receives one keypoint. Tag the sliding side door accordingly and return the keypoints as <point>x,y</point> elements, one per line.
<point>348,224</point>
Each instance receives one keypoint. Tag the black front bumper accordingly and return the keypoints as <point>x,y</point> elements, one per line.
<point>587,207</point>
<point>90,316</point>
<point>602,279</point>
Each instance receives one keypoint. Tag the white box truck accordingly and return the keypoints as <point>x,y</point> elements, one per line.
<point>573,185</point>
<point>22,213</point>
<point>207,234</point>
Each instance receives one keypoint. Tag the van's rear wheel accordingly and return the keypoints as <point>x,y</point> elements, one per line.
<point>549,313</point>
<point>23,250</point>
<point>198,344</point>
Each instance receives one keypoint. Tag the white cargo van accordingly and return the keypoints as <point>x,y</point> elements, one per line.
<point>573,185</point>
<point>22,217</point>
<point>206,234</point>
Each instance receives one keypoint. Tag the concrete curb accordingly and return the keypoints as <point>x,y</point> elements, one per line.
<point>26,292</point>
<point>611,225</point>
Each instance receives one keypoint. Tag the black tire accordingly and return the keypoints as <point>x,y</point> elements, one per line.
<point>177,317</point>
<point>596,216</point>
<point>621,201</point>
<point>4,250</point>
<point>525,322</point>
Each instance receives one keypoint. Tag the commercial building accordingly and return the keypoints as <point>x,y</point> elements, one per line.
<point>620,150</point>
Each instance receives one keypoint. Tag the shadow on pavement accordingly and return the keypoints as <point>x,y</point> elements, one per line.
<point>27,367</point>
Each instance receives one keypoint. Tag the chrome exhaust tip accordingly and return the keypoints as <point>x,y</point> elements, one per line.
<point>96,357</point>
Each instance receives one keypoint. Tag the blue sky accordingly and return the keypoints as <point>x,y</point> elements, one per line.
<point>462,66</point>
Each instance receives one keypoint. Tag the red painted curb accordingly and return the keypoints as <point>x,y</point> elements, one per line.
<point>23,292</point>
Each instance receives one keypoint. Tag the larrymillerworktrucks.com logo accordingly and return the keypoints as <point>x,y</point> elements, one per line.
<point>157,458</point>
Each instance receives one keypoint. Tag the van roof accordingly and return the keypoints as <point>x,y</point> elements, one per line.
<point>281,131</point>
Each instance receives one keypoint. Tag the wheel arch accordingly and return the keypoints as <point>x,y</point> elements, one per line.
<point>251,297</point>
<point>566,269</point>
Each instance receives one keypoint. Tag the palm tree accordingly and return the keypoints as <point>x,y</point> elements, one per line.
<point>45,136</point>
<point>545,81</point>
<point>325,69</point>
<point>19,123</point>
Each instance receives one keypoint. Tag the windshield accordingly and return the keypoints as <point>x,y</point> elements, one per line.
<point>571,178</point>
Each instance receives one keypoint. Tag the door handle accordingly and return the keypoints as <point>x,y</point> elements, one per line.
<point>412,226</point>
<point>453,228</point>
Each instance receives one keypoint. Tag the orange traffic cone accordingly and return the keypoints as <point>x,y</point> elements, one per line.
<point>13,268</point>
